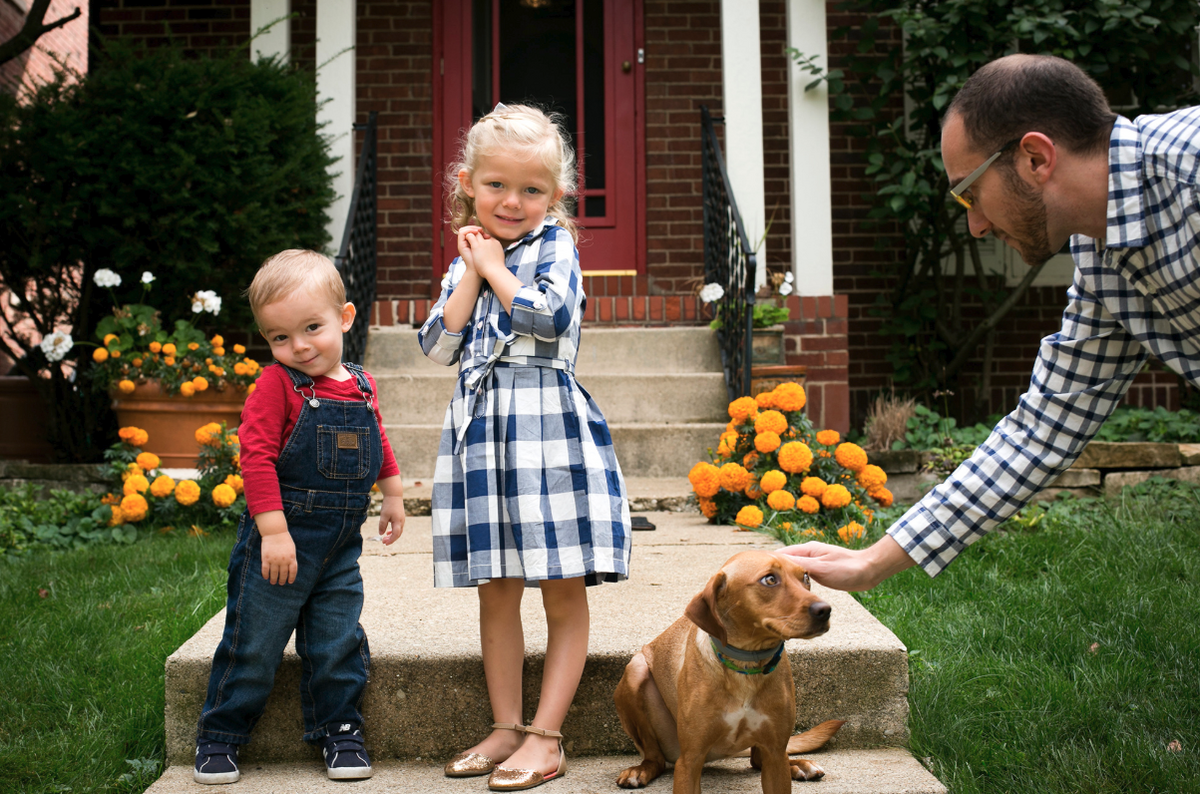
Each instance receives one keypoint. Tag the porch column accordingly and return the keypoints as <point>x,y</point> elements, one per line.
<point>276,41</point>
<point>808,129</point>
<point>741,68</point>
<point>336,27</point>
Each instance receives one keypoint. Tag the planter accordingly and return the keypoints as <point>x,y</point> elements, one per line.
<point>766,346</point>
<point>767,378</point>
<point>22,421</point>
<point>172,420</point>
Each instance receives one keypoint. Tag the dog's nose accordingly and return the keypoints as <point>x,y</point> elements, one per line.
<point>820,610</point>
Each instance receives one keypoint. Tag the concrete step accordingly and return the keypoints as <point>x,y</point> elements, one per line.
<point>648,449</point>
<point>602,350</point>
<point>427,696</point>
<point>675,397</point>
<point>877,771</point>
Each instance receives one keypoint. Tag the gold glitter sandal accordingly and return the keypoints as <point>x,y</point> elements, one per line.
<point>476,764</point>
<point>504,779</point>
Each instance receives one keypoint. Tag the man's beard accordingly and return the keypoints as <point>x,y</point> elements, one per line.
<point>1028,235</point>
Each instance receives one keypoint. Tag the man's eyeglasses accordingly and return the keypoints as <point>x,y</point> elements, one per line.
<point>959,191</point>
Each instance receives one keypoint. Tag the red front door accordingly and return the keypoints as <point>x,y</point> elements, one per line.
<point>580,58</point>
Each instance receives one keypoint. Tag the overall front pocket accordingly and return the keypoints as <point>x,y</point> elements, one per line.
<point>343,453</point>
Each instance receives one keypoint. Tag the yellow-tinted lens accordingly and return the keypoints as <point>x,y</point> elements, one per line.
<point>966,202</point>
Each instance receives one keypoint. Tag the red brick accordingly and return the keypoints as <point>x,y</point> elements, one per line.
<point>639,308</point>
<point>621,311</point>
<point>402,307</point>
<point>606,310</point>
<point>656,307</point>
<point>673,309</point>
<point>589,311</point>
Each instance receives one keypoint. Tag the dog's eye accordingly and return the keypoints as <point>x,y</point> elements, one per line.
<point>807,582</point>
<point>770,580</point>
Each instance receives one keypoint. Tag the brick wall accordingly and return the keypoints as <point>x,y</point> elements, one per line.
<point>66,46</point>
<point>203,26</point>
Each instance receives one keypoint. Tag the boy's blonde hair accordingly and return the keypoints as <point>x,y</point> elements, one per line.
<point>523,130</point>
<point>296,268</point>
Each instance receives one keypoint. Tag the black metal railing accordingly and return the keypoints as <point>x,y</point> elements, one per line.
<point>356,256</point>
<point>728,261</point>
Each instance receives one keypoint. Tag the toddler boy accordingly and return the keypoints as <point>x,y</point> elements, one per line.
<point>312,445</point>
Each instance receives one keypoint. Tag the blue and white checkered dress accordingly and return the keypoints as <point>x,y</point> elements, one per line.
<point>1135,293</point>
<point>527,483</point>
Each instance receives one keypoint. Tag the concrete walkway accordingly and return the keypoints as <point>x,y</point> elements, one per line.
<point>427,698</point>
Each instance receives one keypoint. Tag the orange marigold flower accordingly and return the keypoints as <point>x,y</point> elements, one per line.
<point>734,477</point>
<point>250,389</point>
<point>828,437</point>
<point>223,495</point>
<point>155,347</point>
<point>808,504</point>
<point>237,461</point>
<point>139,437</point>
<point>731,427</point>
<point>126,433</point>
<point>743,408</point>
<point>790,397</point>
<point>765,399</point>
<point>109,338</point>
<point>813,486</point>
<point>772,481</point>
<point>724,450</point>
<point>117,517</point>
<point>749,516</point>
<point>136,483</point>
<point>235,482</point>
<point>795,457</point>
<point>750,460</point>
<point>872,477</point>
<point>168,349</point>
<point>110,499</point>
<point>239,349</point>
<point>881,495</point>
<point>240,369</point>
<point>169,361</point>
<point>126,386</point>
<point>208,434</point>
<point>116,354</point>
<point>835,496</point>
<point>218,351</point>
<point>134,507</point>
<point>200,382</point>
<point>705,479</point>
<point>162,486</point>
<point>851,456</point>
<point>193,345</point>
<point>812,532</point>
<point>770,422</point>
<point>187,493</point>
<point>786,526</point>
<point>753,491</point>
<point>781,500</point>
<point>187,389</point>
<point>708,507</point>
<point>148,461</point>
<point>99,355</point>
<point>852,531</point>
<point>232,438</point>
<point>137,362</point>
<point>217,341</point>
<point>767,442</point>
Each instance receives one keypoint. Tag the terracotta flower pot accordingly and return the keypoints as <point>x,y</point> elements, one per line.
<point>172,420</point>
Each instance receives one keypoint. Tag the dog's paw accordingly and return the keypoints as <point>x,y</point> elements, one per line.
<point>805,770</point>
<point>638,776</point>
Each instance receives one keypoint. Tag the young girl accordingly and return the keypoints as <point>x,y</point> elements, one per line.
<point>527,489</point>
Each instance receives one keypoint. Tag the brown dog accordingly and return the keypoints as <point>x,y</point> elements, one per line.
<point>688,700</point>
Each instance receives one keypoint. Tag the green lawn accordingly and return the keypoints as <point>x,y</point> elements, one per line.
<point>83,636</point>
<point>1058,658</point>
<point>1065,658</point>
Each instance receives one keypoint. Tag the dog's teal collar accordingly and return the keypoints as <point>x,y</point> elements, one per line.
<point>728,655</point>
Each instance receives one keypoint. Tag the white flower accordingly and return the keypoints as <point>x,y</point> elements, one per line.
<point>712,292</point>
<point>206,301</point>
<point>788,277</point>
<point>785,288</point>
<point>56,345</point>
<point>147,277</point>
<point>106,278</point>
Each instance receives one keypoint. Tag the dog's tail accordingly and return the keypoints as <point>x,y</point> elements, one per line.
<point>812,739</point>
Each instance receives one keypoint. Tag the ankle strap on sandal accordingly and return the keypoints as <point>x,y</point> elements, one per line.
<point>543,732</point>
<point>510,726</point>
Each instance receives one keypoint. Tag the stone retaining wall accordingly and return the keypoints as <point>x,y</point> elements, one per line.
<point>1104,468</point>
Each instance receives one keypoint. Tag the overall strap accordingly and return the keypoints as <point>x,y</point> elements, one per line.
<point>360,377</point>
<point>299,382</point>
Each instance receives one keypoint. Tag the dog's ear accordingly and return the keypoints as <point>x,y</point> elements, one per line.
<point>703,609</point>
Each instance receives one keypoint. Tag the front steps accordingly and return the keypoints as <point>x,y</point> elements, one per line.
<point>661,389</point>
<point>427,698</point>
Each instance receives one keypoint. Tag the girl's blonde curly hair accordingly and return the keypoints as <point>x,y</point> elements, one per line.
<point>524,131</point>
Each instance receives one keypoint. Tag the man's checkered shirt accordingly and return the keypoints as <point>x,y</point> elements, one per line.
<point>1136,293</point>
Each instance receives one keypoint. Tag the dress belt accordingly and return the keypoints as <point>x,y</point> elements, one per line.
<point>477,378</point>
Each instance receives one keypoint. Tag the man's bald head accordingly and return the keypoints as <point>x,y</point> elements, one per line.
<point>1022,93</point>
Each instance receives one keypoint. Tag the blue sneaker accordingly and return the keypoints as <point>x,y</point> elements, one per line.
<point>216,762</point>
<point>345,756</point>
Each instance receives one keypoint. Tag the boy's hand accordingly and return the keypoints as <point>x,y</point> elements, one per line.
<point>391,519</point>
<point>279,558</point>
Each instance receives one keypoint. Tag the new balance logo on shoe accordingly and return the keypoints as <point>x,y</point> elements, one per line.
<point>345,727</point>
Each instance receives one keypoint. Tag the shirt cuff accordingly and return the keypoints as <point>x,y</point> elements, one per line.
<point>446,345</point>
<point>930,544</point>
<point>531,314</point>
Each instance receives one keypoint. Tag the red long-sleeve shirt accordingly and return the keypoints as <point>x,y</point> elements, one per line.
<point>268,417</point>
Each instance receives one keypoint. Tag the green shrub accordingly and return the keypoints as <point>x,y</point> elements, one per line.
<point>193,169</point>
<point>1144,424</point>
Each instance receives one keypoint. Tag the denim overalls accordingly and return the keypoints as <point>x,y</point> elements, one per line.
<point>326,470</point>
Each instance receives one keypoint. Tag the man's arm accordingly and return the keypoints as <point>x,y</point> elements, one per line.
<point>852,569</point>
